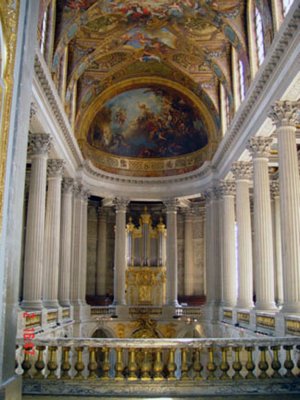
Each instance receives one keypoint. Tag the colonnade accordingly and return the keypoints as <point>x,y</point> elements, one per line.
<point>56,233</point>
<point>274,262</point>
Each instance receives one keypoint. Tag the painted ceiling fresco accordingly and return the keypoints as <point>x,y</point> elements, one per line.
<point>148,122</point>
<point>109,41</point>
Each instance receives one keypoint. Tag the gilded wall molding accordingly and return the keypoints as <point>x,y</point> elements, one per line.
<point>9,12</point>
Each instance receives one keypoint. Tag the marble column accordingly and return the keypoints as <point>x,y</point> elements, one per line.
<point>34,244</point>
<point>229,246</point>
<point>171,262</point>
<point>65,242</point>
<point>242,172</point>
<point>284,114</point>
<point>101,253</point>
<point>277,242</point>
<point>130,243</point>
<point>188,253</point>
<point>79,242</point>
<point>263,244</point>
<point>84,212</point>
<point>161,246</point>
<point>212,247</point>
<point>120,252</point>
<point>52,234</point>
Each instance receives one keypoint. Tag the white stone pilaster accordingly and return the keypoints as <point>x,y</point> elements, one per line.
<point>52,234</point>
<point>172,258</point>
<point>66,242</point>
<point>188,253</point>
<point>242,172</point>
<point>34,245</point>
<point>263,243</point>
<point>120,252</point>
<point>229,246</point>
<point>101,253</point>
<point>284,115</point>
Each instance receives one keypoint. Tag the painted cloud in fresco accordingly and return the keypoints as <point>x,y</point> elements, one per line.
<point>148,122</point>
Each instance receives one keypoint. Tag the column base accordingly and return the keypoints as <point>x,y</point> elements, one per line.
<point>32,304</point>
<point>265,306</point>
<point>211,311</point>
<point>12,389</point>
<point>245,305</point>
<point>51,304</point>
<point>290,308</point>
<point>81,312</point>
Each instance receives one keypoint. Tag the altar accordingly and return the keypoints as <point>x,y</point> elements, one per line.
<point>146,260</point>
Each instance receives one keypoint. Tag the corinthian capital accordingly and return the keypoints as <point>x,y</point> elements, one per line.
<point>274,186</point>
<point>285,113</point>
<point>227,188</point>
<point>259,146</point>
<point>39,143</point>
<point>172,205</point>
<point>55,168</point>
<point>241,170</point>
<point>120,203</point>
<point>67,185</point>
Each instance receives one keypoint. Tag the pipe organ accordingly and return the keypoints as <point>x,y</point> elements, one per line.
<point>146,261</point>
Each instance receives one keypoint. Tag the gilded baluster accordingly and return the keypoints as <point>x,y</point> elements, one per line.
<point>52,363</point>
<point>106,364</point>
<point>65,365</point>
<point>250,366</point>
<point>132,366</point>
<point>184,365</point>
<point>39,364</point>
<point>79,365</point>
<point>211,366</point>
<point>26,365</point>
<point>146,366</point>
<point>288,363</point>
<point>276,364</point>
<point>224,366</point>
<point>171,365</point>
<point>119,367</point>
<point>92,365</point>
<point>197,366</point>
<point>237,365</point>
<point>158,366</point>
<point>263,365</point>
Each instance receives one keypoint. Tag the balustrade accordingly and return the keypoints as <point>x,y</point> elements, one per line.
<point>160,359</point>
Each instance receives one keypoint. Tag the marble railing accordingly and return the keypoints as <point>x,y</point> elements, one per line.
<point>159,359</point>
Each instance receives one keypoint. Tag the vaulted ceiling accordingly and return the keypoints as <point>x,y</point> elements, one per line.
<point>118,46</point>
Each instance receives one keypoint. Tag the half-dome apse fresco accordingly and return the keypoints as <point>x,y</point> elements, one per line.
<point>148,122</point>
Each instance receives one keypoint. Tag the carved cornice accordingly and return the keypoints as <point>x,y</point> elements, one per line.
<point>91,170</point>
<point>39,143</point>
<point>44,78</point>
<point>259,146</point>
<point>55,168</point>
<point>242,170</point>
<point>285,113</point>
